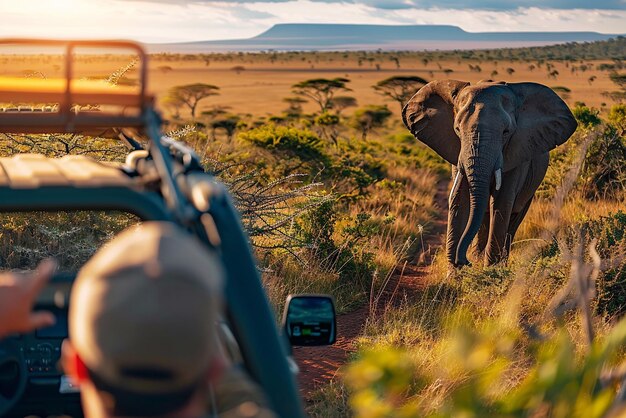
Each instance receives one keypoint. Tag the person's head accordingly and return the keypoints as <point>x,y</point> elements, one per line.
<point>142,324</point>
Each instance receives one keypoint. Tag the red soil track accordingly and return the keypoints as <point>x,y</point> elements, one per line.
<point>320,365</point>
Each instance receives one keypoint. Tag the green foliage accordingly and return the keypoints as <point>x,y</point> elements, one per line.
<point>483,287</point>
<point>586,117</point>
<point>610,231</point>
<point>299,142</point>
<point>604,171</point>
<point>339,103</point>
<point>228,123</point>
<point>318,228</point>
<point>418,154</point>
<point>378,380</point>
<point>327,119</point>
<point>355,172</point>
<point>349,259</point>
<point>399,88</point>
<point>388,382</point>
<point>370,117</point>
<point>191,94</point>
<point>611,49</point>
<point>617,118</point>
<point>321,90</point>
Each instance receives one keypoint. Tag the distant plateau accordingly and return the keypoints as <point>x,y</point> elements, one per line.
<point>340,37</point>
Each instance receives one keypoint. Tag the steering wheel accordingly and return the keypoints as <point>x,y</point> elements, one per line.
<point>12,375</point>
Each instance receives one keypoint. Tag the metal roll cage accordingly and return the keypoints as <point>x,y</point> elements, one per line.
<point>187,196</point>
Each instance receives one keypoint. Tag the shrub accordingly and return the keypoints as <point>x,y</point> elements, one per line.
<point>586,117</point>
<point>328,123</point>
<point>610,231</point>
<point>617,118</point>
<point>469,378</point>
<point>300,142</point>
<point>604,170</point>
<point>356,172</point>
<point>350,259</point>
<point>370,117</point>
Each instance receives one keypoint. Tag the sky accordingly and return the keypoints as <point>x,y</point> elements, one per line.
<point>192,20</point>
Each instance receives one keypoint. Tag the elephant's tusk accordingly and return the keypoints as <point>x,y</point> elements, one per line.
<point>455,185</point>
<point>498,178</point>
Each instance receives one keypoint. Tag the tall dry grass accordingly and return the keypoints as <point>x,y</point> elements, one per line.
<point>532,297</point>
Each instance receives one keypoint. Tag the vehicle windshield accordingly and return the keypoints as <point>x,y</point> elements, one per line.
<point>69,237</point>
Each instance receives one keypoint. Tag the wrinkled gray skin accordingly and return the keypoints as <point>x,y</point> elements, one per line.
<point>497,137</point>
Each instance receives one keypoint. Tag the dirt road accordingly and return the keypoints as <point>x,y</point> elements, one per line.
<point>319,365</point>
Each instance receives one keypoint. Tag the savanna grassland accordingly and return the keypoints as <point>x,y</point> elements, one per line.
<point>339,198</point>
<point>257,83</point>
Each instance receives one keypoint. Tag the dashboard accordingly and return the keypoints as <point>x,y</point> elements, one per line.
<point>47,390</point>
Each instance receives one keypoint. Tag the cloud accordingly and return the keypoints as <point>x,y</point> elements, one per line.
<point>444,4</point>
<point>177,21</point>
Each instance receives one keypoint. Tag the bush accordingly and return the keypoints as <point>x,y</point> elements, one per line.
<point>610,231</point>
<point>604,171</point>
<point>370,117</point>
<point>586,117</point>
<point>357,172</point>
<point>300,142</point>
<point>469,378</point>
<point>617,118</point>
<point>350,259</point>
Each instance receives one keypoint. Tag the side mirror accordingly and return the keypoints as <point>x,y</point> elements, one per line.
<point>310,320</point>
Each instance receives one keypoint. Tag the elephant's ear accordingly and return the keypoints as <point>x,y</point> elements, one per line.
<point>429,115</point>
<point>543,122</point>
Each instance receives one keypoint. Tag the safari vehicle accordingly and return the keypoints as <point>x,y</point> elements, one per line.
<point>162,180</point>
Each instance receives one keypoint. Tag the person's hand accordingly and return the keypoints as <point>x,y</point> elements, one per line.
<point>17,297</point>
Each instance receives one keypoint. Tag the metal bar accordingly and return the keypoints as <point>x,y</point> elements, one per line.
<point>52,121</point>
<point>65,107</point>
<point>257,334</point>
<point>66,119</point>
<point>146,205</point>
<point>175,199</point>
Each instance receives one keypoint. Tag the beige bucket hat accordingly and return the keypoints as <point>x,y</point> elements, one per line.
<point>143,310</point>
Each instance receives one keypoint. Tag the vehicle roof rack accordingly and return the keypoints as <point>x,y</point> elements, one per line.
<point>71,96</point>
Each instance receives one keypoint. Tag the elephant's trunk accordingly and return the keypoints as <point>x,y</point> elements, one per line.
<point>480,163</point>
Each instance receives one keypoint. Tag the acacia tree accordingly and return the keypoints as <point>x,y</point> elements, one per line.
<point>321,90</point>
<point>228,124</point>
<point>173,104</point>
<point>562,91</point>
<point>339,103</point>
<point>328,124</point>
<point>295,105</point>
<point>191,94</point>
<point>399,88</point>
<point>370,117</point>
<point>620,81</point>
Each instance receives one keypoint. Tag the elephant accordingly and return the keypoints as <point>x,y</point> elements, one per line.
<point>497,136</point>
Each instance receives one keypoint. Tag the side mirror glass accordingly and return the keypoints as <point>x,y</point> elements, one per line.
<point>309,320</point>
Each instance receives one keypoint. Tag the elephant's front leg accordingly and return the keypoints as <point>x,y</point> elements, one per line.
<point>501,209</point>
<point>458,214</point>
<point>501,206</point>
